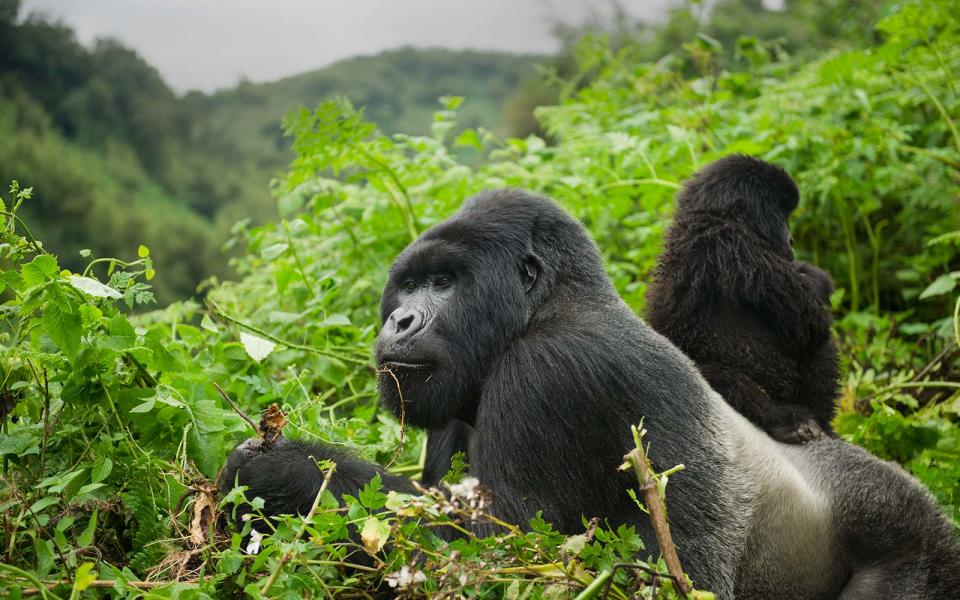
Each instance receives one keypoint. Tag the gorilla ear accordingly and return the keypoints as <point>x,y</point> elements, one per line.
<point>530,271</point>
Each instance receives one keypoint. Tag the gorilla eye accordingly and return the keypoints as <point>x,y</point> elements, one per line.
<point>443,281</point>
<point>410,285</point>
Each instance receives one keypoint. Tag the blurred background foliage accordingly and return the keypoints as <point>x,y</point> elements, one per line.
<point>108,417</point>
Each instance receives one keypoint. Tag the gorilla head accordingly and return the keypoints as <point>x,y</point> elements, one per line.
<point>740,186</point>
<point>465,290</point>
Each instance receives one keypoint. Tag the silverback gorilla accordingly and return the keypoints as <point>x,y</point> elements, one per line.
<point>728,292</point>
<point>501,319</point>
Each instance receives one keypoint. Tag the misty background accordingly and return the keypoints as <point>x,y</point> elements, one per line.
<point>209,45</point>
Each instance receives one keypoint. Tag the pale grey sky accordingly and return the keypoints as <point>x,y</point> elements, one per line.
<point>207,44</point>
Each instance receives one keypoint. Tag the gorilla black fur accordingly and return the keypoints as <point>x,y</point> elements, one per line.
<point>728,292</point>
<point>294,491</point>
<point>501,317</point>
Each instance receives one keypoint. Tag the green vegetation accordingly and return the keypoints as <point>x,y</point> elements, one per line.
<point>108,418</point>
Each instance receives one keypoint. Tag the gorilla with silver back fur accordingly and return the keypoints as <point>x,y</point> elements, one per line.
<point>504,332</point>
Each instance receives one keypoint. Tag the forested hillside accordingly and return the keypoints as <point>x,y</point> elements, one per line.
<point>117,159</point>
<point>115,425</point>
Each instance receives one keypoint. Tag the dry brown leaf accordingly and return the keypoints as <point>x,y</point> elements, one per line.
<point>204,516</point>
<point>272,422</point>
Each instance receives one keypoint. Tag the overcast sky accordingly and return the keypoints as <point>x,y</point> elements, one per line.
<point>207,44</point>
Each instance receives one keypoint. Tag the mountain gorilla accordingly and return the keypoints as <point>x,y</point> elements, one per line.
<point>501,318</point>
<point>728,292</point>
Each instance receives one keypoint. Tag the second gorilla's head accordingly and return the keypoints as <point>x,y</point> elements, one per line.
<point>744,187</point>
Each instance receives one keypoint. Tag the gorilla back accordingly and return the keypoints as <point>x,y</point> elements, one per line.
<point>502,319</point>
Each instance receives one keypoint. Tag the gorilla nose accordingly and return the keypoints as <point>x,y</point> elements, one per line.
<point>403,323</point>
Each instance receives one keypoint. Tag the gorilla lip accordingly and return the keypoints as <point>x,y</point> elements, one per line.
<point>395,364</point>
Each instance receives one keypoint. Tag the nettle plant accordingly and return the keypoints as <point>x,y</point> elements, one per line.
<point>75,369</point>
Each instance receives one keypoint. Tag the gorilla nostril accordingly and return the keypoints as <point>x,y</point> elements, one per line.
<point>404,323</point>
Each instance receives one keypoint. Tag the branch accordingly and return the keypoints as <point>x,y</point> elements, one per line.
<point>658,514</point>
<point>216,310</point>
<point>236,408</point>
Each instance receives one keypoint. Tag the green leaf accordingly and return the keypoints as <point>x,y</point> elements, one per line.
<point>41,269</point>
<point>468,138</point>
<point>58,483</point>
<point>396,500</point>
<point>146,406</point>
<point>61,321</point>
<point>207,323</point>
<point>205,450</point>
<point>83,578</point>
<point>336,320</point>
<point>94,288</point>
<point>19,444</point>
<point>87,489</point>
<point>289,204</point>
<point>44,502</point>
<point>271,252</point>
<point>370,496</point>
<point>143,251</point>
<point>941,285</point>
<point>256,347</point>
<point>235,358</point>
<point>86,538</point>
<point>101,469</point>
<point>122,335</point>
<point>157,341</point>
<point>207,417</point>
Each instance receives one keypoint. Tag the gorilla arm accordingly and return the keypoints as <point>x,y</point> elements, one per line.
<point>442,444</point>
<point>288,477</point>
<point>818,280</point>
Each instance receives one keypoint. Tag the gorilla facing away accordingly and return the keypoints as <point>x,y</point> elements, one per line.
<point>503,331</point>
<point>728,292</point>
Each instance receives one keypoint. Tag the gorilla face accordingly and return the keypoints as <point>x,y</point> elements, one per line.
<point>449,308</point>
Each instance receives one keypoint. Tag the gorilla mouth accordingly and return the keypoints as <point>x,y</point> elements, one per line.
<point>396,365</point>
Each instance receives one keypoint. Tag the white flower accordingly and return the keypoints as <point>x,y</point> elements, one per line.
<point>253,546</point>
<point>465,488</point>
<point>404,578</point>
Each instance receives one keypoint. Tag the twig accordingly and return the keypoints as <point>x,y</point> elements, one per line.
<point>285,558</point>
<point>933,363</point>
<point>918,384</point>
<point>45,433</point>
<point>149,379</point>
<point>403,415</point>
<point>212,306</point>
<point>26,232</point>
<point>658,515</point>
<point>653,573</point>
<point>41,589</point>
<point>236,408</point>
<point>103,583</point>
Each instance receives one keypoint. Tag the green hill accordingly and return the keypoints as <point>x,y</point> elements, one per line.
<point>399,89</point>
